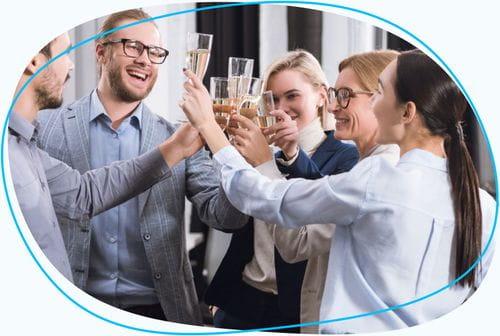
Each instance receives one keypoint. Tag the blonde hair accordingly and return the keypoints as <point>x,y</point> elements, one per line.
<point>368,66</point>
<point>305,63</point>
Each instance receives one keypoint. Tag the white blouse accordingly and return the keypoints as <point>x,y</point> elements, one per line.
<point>393,241</point>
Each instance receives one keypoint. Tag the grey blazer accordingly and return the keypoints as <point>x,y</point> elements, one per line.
<point>64,134</point>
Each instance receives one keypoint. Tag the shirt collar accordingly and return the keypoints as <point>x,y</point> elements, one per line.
<point>424,158</point>
<point>23,127</point>
<point>97,109</point>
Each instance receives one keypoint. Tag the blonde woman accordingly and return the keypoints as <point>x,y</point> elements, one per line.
<point>349,101</point>
<point>254,287</point>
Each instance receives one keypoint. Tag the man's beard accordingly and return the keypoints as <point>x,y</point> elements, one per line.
<point>120,90</point>
<point>47,93</point>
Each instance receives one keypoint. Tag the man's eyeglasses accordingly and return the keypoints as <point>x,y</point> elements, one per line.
<point>344,95</point>
<point>134,49</point>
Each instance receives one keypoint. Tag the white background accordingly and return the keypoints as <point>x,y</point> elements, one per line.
<point>464,35</point>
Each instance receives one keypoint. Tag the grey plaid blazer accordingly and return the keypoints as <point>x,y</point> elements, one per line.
<point>64,134</point>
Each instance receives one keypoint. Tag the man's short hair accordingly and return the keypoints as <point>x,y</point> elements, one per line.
<point>46,50</point>
<point>114,19</point>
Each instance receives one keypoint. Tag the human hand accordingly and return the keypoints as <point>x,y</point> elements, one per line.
<point>188,139</point>
<point>196,102</point>
<point>284,134</point>
<point>185,142</point>
<point>250,142</point>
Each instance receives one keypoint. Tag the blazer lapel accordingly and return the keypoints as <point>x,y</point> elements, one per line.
<point>76,127</point>
<point>151,136</point>
<point>323,153</point>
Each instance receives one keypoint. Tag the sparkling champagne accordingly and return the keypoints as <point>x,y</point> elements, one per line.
<point>266,121</point>
<point>238,86</point>
<point>222,110</point>
<point>197,61</point>
<point>249,106</point>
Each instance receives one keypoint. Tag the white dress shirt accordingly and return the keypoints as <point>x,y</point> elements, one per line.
<point>394,236</point>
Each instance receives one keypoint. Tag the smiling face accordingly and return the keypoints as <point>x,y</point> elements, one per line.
<point>357,120</point>
<point>128,79</point>
<point>294,94</point>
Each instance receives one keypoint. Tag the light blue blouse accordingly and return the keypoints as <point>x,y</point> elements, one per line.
<point>394,237</point>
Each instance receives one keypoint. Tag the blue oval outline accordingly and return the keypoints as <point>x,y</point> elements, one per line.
<point>316,3</point>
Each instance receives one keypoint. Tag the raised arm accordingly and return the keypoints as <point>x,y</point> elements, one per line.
<point>203,189</point>
<point>291,203</point>
<point>303,166</point>
<point>81,196</point>
<point>296,202</point>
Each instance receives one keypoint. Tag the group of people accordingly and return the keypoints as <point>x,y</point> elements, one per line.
<point>322,229</point>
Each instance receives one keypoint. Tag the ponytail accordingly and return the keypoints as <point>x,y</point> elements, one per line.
<point>466,204</point>
<point>441,105</point>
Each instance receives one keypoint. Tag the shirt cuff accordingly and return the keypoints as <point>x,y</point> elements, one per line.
<point>289,162</point>
<point>229,156</point>
<point>270,169</point>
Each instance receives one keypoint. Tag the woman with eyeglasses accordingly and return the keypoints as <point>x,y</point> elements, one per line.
<point>253,287</point>
<point>403,232</point>
<point>350,103</point>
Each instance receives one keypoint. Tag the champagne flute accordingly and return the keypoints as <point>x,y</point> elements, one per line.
<point>239,74</point>
<point>264,118</point>
<point>239,66</point>
<point>222,107</point>
<point>198,53</point>
<point>250,101</point>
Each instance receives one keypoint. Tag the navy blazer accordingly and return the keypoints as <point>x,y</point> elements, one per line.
<point>331,157</point>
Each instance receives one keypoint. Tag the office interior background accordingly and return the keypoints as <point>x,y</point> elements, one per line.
<point>261,32</point>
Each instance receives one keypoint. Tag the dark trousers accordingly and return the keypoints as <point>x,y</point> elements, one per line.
<point>153,311</point>
<point>251,308</point>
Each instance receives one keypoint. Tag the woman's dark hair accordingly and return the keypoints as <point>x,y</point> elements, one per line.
<point>441,105</point>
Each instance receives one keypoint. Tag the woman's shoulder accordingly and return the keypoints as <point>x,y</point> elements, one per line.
<point>332,144</point>
<point>389,152</point>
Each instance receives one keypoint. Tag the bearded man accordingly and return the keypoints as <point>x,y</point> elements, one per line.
<point>133,256</point>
